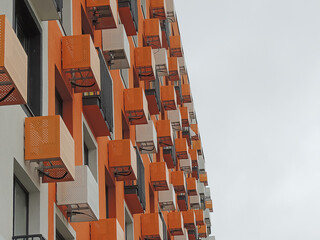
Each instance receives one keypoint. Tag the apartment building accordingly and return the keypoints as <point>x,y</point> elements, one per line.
<point>98,131</point>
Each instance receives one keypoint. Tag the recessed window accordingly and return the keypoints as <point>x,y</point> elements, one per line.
<point>128,225</point>
<point>124,73</point>
<point>90,151</point>
<point>58,104</point>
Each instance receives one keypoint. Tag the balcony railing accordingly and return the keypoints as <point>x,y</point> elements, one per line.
<point>29,237</point>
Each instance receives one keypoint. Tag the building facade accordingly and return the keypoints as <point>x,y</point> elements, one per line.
<point>99,135</point>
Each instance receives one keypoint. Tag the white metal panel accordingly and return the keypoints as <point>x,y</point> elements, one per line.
<point>201,188</point>
<point>161,61</point>
<point>171,13</point>
<point>46,9</point>
<point>146,138</point>
<point>167,199</point>
<point>182,65</point>
<point>207,217</point>
<point>207,193</point>
<point>182,237</point>
<point>195,202</point>
<point>186,164</point>
<point>202,164</point>
<point>175,117</point>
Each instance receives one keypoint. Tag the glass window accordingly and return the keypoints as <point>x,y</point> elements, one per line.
<point>20,209</point>
<point>85,154</point>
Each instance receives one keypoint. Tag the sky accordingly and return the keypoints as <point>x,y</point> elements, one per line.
<point>254,67</point>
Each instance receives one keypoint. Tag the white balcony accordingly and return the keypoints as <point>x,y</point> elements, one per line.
<point>161,59</point>
<point>47,9</point>
<point>146,138</point>
<point>167,199</point>
<point>80,196</point>
<point>201,162</point>
<point>116,48</point>
<point>171,13</point>
<point>207,193</point>
<point>207,217</point>
<point>194,202</point>
<point>192,113</point>
<point>175,117</point>
<point>182,65</point>
<point>201,188</point>
<point>186,164</point>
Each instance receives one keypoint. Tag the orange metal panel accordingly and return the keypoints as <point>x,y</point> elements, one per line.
<point>192,186</point>
<point>122,159</point>
<point>106,229</point>
<point>152,33</point>
<point>158,9</point>
<point>174,71</point>
<point>151,226</point>
<point>127,19</point>
<point>199,216</point>
<point>194,128</point>
<point>144,63</point>
<point>168,157</point>
<point>164,132</point>
<point>178,181</point>
<point>181,148</point>
<point>175,223</point>
<point>168,97</point>
<point>202,231</point>
<point>186,94</point>
<point>209,205</point>
<point>189,219</point>
<point>196,144</point>
<point>194,157</point>
<point>204,178</point>
<point>175,29</point>
<point>135,106</point>
<point>175,46</point>
<point>185,116</point>
<point>159,176</point>
<point>48,140</point>
<point>81,63</point>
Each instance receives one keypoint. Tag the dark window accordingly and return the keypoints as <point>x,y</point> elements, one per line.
<point>125,128</point>
<point>107,202</point>
<point>29,34</point>
<point>151,196</point>
<point>20,209</point>
<point>58,104</point>
<point>85,154</point>
<point>59,236</point>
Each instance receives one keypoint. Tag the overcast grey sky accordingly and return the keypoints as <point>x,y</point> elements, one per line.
<point>254,67</point>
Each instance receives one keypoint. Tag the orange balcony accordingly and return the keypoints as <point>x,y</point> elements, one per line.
<point>186,94</point>
<point>196,144</point>
<point>152,35</point>
<point>80,63</point>
<point>195,172</point>
<point>169,156</point>
<point>107,229</point>
<point>158,9</point>
<point>191,110</point>
<point>209,205</point>
<point>195,131</point>
<point>103,13</point>
<point>135,106</point>
<point>123,160</point>
<point>194,157</point>
<point>48,140</point>
<point>159,176</point>
<point>192,186</point>
<point>168,97</point>
<point>175,223</point>
<point>193,234</point>
<point>13,66</point>
<point>185,116</point>
<point>151,226</point>
<point>199,217</point>
<point>181,148</point>
<point>175,46</point>
<point>128,12</point>
<point>204,178</point>
<point>174,71</point>
<point>144,63</point>
<point>202,231</point>
<point>178,181</point>
<point>152,91</point>
<point>165,134</point>
<point>189,219</point>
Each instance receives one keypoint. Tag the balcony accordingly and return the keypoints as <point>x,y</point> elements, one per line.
<point>152,92</point>
<point>192,186</point>
<point>81,197</point>
<point>171,13</point>
<point>128,12</point>
<point>184,235</point>
<point>174,70</point>
<point>189,219</point>
<point>196,144</point>
<point>186,134</point>
<point>161,59</point>
<point>165,134</point>
<point>175,117</point>
<point>185,164</point>
<point>207,217</point>
<point>204,178</point>
<point>194,202</point>
<point>152,35</point>
<point>158,9</point>
<point>202,166</point>
<point>175,223</point>
<point>151,226</point>
<point>116,48</point>
<point>195,172</point>
<point>199,217</point>
<point>182,202</point>
<point>191,110</point>
<point>177,86</point>
<point>178,181</point>
<point>207,193</point>
<point>29,237</point>
<point>135,193</point>
<point>135,106</point>
<point>103,13</point>
<point>169,156</point>
<point>194,157</point>
<point>168,97</point>
<point>167,199</point>
<point>122,160</point>
<point>185,117</point>
<point>80,63</point>
<point>186,93</point>
<point>195,132</point>
<point>146,138</point>
<point>209,205</point>
<point>106,229</point>
<point>175,46</point>
<point>201,188</point>
<point>13,66</point>
<point>98,106</point>
<point>159,176</point>
<point>166,33</point>
<point>193,234</point>
<point>48,9</point>
<point>145,64</point>
<point>49,142</point>
<point>202,231</point>
<point>182,65</point>
<point>181,148</point>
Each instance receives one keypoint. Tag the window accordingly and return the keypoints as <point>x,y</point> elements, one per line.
<point>151,196</point>
<point>29,34</point>
<point>66,16</point>
<point>20,209</point>
<point>128,225</point>
<point>144,8</point>
<point>124,73</point>
<point>85,154</point>
<point>135,40</point>
<point>90,153</point>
